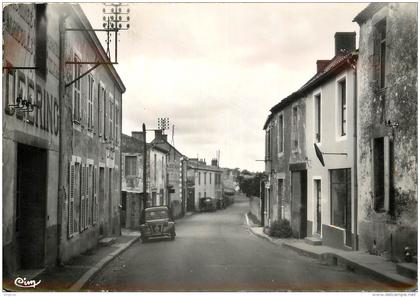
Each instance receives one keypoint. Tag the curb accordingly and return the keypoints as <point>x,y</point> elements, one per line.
<point>340,260</point>
<point>98,266</point>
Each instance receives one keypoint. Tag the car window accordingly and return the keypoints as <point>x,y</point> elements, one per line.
<point>156,214</point>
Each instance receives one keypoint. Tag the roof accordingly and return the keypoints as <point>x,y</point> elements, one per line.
<point>196,165</point>
<point>368,12</point>
<point>130,144</point>
<point>335,65</point>
<point>159,142</point>
<point>100,50</point>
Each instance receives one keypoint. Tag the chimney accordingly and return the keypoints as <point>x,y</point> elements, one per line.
<point>344,42</point>
<point>214,162</point>
<point>321,64</point>
<point>159,135</point>
<point>137,135</point>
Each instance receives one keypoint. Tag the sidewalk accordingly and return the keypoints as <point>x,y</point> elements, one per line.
<point>357,261</point>
<point>74,274</point>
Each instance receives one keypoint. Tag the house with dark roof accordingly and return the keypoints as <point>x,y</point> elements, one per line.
<point>176,174</point>
<point>387,129</point>
<point>300,185</point>
<point>133,177</point>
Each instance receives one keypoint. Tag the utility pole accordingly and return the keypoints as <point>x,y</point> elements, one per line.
<point>145,195</point>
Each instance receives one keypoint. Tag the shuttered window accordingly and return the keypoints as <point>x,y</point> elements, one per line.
<point>82,199</point>
<point>95,199</point>
<point>70,217</point>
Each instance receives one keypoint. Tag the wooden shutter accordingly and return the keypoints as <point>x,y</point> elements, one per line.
<point>86,196</point>
<point>71,201</point>
<point>95,199</point>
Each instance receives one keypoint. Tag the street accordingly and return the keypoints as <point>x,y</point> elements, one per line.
<point>215,252</point>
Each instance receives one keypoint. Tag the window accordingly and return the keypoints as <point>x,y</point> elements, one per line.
<point>10,87</point>
<point>342,101</point>
<point>199,178</point>
<point>77,69</point>
<point>205,177</point>
<point>111,117</point>
<point>117,123</point>
<point>210,177</point>
<point>105,114</point>
<point>380,53</point>
<point>83,199</point>
<point>163,166</point>
<point>91,84</point>
<point>101,102</point>
<point>281,133</point>
<point>268,144</point>
<point>154,167</point>
<point>280,197</point>
<point>130,166</point>
<point>381,171</point>
<point>41,39</point>
<point>318,115</point>
<point>199,194</point>
<point>295,141</point>
<point>75,198</point>
<point>205,194</point>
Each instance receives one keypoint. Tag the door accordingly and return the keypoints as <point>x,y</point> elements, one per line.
<point>299,204</point>
<point>318,205</point>
<point>190,200</point>
<point>110,223</point>
<point>101,200</point>
<point>30,206</point>
<point>123,209</point>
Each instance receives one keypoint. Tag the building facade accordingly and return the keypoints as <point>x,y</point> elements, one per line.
<point>286,164</point>
<point>330,124</point>
<point>177,175</point>
<point>133,178</point>
<point>60,153</point>
<point>387,128</point>
<point>203,181</point>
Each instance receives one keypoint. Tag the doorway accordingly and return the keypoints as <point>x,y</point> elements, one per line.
<point>101,200</point>
<point>31,194</point>
<point>299,203</point>
<point>317,186</point>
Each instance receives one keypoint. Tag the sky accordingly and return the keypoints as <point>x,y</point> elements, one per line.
<point>216,69</point>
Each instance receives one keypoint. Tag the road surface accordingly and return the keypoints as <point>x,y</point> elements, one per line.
<point>216,252</point>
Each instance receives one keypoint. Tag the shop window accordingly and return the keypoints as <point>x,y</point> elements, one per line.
<point>340,197</point>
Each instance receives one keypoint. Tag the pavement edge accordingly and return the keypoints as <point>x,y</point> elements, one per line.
<point>98,266</point>
<point>322,257</point>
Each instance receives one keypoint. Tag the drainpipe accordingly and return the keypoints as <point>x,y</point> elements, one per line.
<point>62,155</point>
<point>355,238</point>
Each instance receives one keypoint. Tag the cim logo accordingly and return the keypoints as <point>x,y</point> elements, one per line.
<point>23,283</point>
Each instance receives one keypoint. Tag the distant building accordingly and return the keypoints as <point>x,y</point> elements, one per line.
<point>203,181</point>
<point>177,175</point>
<point>133,178</point>
<point>61,173</point>
<point>387,128</point>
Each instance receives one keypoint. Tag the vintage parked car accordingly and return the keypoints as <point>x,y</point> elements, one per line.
<point>157,222</point>
<point>207,204</point>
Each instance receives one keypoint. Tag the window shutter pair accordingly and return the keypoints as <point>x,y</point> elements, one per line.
<point>71,201</point>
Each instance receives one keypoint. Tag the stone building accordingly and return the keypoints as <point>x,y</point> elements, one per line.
<point>133,178</point>
<point>286,164</point>
<point>203,181</point>
<point>177,175</point>
<point>299,188</point>
<point>61,190</point>
<point>387,128</point>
